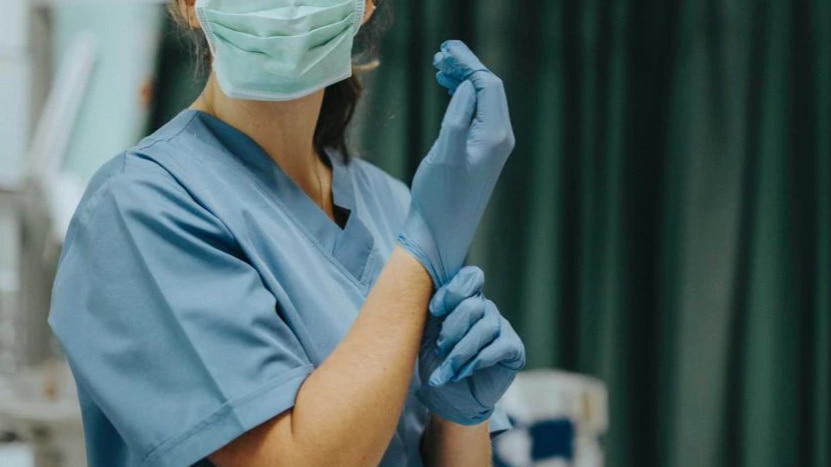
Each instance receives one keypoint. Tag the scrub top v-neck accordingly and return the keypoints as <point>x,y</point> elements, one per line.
<point>199,286</point>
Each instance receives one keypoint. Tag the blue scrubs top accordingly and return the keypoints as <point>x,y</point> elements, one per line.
<point>199,287</point>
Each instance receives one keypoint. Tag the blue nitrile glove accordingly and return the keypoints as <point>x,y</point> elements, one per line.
<point>469,353</point>
<point>454,182</point>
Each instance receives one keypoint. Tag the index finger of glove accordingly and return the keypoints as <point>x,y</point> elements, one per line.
<point>507,350</point>
<point>478,337</point>
<point>459,322</point>
<point>495,354</point>
<point>455,127</point>
<point>467,283</point>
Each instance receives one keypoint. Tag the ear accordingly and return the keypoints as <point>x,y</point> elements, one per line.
<point>368,11</point>
<point>186,9</point>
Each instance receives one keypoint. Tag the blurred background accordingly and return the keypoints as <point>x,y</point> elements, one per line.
<point>663,227</point>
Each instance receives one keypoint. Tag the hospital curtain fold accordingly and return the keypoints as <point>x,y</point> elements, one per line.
<point>665,220</point>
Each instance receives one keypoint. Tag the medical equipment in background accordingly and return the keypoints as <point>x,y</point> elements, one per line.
<point>49,195</point>
<point>40,407</point>
<point>15,74</point>
<point>116,108</point>
<point>559,420</point>
<point>38,401</point>
<point>93,114</point>
<point>97,104</point>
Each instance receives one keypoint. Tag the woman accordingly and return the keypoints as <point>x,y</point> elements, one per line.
<point>234,291</point>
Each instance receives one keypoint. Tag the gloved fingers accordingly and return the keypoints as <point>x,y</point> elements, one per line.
<point>455,127</point>
<point>493,355</point>
<point>485,331</point>
<point>446,81</point>
<point>431,333</point>
<point>515,351</point>
<point>468,282</point>
<point>492,125</point>
<point>507,351</point>
<point>458,323</point>
<point>458,62</point>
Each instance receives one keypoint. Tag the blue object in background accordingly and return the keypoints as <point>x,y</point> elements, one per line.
<point>542,441</point>
<point>552,439</point>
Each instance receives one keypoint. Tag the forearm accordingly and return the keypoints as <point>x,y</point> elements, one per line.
<point>361,385</point>
<point>369,372</point>
<point>449,444</point>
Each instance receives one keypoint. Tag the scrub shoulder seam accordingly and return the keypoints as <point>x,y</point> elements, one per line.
<point>176,184</point>
<point>89,207</point>
<point>151,140</point>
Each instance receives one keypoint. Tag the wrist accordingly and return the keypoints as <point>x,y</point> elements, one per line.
<point>442,428</point>
<point>419,272</point>
<point>418,239</point>
<point>465,411</point>
<point>442,424</point>
<point>445,443</point>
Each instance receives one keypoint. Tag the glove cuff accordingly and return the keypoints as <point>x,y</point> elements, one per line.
<point>417,239</point>
<point>448,411</point>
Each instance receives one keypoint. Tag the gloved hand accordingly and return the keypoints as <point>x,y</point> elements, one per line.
<point>469,353</point>
<point>454,182</point>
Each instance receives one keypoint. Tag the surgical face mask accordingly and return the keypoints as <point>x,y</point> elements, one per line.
<point>278,50</point>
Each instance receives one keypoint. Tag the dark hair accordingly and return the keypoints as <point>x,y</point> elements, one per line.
<point>340,99</point>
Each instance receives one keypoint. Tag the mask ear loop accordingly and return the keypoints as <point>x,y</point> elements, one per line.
<point>206,27</point>
<point>360,9</point>
<point>375,63</point>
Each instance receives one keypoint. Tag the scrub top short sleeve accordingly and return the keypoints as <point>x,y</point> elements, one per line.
<point>190,350</point>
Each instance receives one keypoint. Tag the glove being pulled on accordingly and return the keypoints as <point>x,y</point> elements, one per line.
<point>455,180</point>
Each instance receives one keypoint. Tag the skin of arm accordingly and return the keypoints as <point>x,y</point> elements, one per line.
<point>346,411</point>
<point>448,444</point>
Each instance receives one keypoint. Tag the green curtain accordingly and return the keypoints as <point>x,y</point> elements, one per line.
<point>665,220</point>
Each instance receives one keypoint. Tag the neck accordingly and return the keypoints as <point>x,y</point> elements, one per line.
<point>284,130</point>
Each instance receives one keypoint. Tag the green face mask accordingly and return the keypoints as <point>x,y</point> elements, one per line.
<point>278,50</point>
